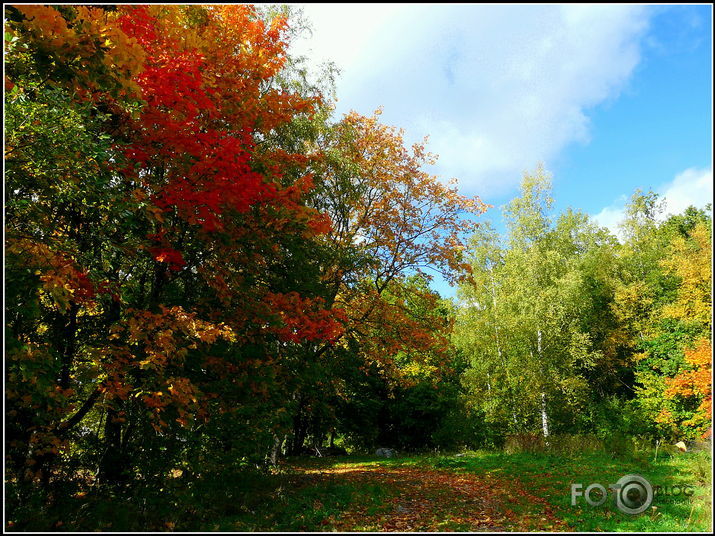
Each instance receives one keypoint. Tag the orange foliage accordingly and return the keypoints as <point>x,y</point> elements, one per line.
<point>696,382</point>
<point>62,279</point>
<point>304,319</point>
<point>406,218</point>
<point>402,219</point>
<point>90,43</point>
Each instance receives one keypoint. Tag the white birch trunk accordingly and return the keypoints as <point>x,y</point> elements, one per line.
<point>544,415</point>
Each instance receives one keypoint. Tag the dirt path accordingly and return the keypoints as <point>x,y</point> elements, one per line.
<point>421,499</point>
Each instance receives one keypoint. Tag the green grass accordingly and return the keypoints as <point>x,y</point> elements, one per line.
<point>299,498</point>
<point>550,477</point>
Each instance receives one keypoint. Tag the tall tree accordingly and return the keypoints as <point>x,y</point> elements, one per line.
<point>389,219</point>
<point>527,319</point>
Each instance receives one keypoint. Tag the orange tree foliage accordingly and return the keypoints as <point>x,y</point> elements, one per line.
<point>391,220</point>
<point>696,382</point>
<point>145,221</point>
<point>676,382</point>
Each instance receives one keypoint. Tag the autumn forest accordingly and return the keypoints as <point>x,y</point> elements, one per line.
<point>214,285</point>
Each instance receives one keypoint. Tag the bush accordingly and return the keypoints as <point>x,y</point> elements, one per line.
<point>617,445</point>
<point>520,443</point>
<point>574,444</point>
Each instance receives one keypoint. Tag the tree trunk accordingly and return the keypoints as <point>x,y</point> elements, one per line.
<point>111,467</point>
<point>275,450</point>
<point>299,430</point>
<point>544,415</point>
<point>69,331</point>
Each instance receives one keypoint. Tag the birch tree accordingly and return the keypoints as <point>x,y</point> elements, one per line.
<point>520,320</point>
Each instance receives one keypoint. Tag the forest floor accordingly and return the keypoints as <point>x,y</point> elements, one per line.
<point>483,491</point>
<point>475,491</point>
<point>418,498</point>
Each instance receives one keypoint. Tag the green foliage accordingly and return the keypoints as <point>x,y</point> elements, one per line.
<point>532,319</point>
<point>561,309</point>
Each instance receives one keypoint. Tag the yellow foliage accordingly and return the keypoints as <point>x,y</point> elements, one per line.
<point>690,259</point>
<point>76,42</point>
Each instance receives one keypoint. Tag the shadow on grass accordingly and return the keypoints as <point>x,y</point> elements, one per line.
<point>323,494</point>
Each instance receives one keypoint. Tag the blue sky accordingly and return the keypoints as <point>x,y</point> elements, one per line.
<point>609,98</point>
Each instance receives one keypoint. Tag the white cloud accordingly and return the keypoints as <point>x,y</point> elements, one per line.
<point>498,88</point>
<point>611,216</point>
<point>692,187</point>
<point>341,32</point>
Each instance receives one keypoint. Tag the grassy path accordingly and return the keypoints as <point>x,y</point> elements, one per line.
<point>479,491</point>
<point>498,492</point>
<point>423,499</point>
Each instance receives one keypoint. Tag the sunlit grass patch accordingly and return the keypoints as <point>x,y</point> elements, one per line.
<point>549,477</point>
